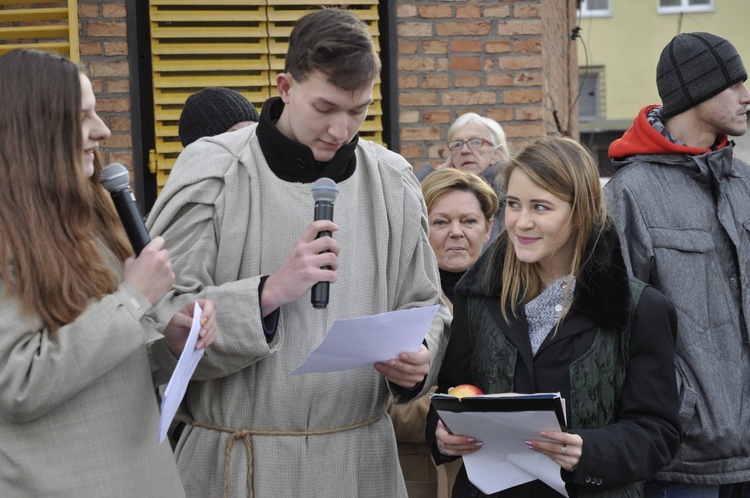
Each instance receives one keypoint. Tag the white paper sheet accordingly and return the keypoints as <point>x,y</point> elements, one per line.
<point>504,460</point>
<point>177,386</point>
<point>360,342</point>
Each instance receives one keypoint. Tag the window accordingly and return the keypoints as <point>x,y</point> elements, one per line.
<point>590,99</point>
<point>594,8</point>
<point>677,6</point>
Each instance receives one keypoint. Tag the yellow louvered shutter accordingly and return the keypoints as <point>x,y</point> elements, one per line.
<point>51,26</point>
<point>238,44</point>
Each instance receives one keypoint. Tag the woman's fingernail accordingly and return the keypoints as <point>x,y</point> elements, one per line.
<point>478,444</point>
<point>469,439</point>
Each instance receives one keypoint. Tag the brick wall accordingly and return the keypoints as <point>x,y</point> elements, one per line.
<point>501,59</point>
<point>104,52</point>
<point>511,60</point>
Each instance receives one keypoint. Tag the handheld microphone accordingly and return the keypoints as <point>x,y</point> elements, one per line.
<point>324,192</point>
<point>116,180</point>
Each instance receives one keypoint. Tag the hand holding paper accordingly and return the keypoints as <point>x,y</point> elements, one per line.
<point>177,386</point>
<point>361,342</point>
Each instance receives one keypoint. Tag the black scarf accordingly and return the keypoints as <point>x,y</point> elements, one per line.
<point>292,161</point>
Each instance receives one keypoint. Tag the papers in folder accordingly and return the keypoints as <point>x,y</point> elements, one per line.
<point>503,422</point>
<point>360,342</point>
<point>177,386</point>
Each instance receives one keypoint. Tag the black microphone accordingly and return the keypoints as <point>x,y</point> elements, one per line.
<point>324,192</point>
<point>116,180</point>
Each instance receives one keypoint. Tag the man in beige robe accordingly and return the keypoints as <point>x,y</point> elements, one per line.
<point>236,214</point>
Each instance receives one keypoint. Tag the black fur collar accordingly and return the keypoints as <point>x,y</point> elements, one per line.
<point>602,290</point>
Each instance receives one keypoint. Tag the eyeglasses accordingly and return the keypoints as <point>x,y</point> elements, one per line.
<point>473,143</point>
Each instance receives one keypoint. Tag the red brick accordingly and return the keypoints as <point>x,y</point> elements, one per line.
<point>458,28</point>
<point>408,81</point>
<point>489,65</point>
<point>104,69</point>
<point>527,10</point>
<point>524,130</point>
<point>468,12</point>
<point>435,11</point>
<point>88,11</point>
<point>125,158</point>
<point>528,45</point>
<point>528,113</point>
<point>497,46</point>
<point>417,98</point>
<point>115,48</point>
<point>527,27</point>
<point>464,45</point>
<point>118,141</point>
<point>434,116</point>
<point>468,98</point>
<point>522,96</point>
<point>467,80</point>
<point>113,105</point>
<point>414,29</point>
<point>524,78</point>
<point>416,64</point>
<point>435,81</point>
<point>496,11</point>
<point>117,123</point>
<point>107,29</point>
<point>118,86</point>
<point>499,79</point>
<point>419,133</point>
<point>500,114</point>
<point>408,47</point>
<point>520,62</point>
<point>410,150</point>
<point>90,48</point>
<point>434,47</point>
<point>465,63</point>
<point>114,11</point>
<point>408,116</point>
<point>406,10</point>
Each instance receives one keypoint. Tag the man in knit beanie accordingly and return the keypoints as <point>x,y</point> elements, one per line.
<point>681,202</point>
<point>213,111</point>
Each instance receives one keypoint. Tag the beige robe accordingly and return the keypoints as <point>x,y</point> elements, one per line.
<point>228,220</point>
<point>78,413</point>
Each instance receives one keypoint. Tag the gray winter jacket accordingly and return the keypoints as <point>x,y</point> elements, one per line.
<point>684,223</point>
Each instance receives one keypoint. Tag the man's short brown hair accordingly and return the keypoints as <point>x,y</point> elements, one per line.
<point>334,42</point>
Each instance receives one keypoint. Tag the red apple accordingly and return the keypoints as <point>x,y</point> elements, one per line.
<point>464,390</point>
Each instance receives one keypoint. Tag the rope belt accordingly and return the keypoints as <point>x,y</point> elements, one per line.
<point>246,436</point>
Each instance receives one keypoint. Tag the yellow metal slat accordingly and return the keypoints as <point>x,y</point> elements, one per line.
<point>24,15</point>
<point>203,65</point>
<point>205,16</point>
<point>62,48</point>
<point>206,3</point>
<point>34,32</point>
<point>162,32</point>
<point>209,80</point>
<point>240,47</point>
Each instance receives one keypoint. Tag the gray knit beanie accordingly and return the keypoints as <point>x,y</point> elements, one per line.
<point>213,111</point>
<point>694,67</point>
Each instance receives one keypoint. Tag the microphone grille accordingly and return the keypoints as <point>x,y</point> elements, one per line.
<point>325,189</point>
<point>114,177</point>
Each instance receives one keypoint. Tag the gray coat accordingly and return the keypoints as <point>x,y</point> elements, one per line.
<point>684,221</point>
<point>78,415</point>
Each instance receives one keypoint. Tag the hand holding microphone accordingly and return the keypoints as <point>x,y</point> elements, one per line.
<point>151,271</point>
<point>116,180</point>
<point>324,192</point>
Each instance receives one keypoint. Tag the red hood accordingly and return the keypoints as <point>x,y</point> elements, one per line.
<point>642,138</point>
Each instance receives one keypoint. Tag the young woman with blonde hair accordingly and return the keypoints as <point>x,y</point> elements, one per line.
<point>550,308</point>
